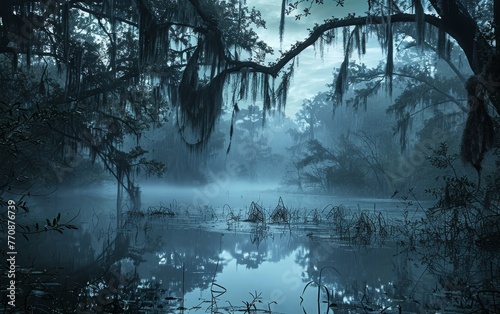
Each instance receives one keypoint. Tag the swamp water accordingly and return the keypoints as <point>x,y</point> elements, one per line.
<point>181,258</point>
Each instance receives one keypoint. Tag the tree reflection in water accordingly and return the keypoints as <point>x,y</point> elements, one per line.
<point>172,265</point>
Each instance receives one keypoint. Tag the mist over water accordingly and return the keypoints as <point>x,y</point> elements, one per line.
<point>161,158</point>
<point>240,195</point>
<point>183,255</point>
<point>236,194</point>
<point>211,194</point>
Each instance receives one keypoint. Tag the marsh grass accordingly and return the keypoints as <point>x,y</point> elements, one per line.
<point>321,287</point>
<point>254,305</point>
<point>456,241</point>
<point>280,214</point>
<point>135,213</point>
<point>251,305</point>
<point>216,291</point>
<point>360,227</point>
<point>207,213</point>
<point>160,211</point>
<point>256,213</point>
<point>231,217</point>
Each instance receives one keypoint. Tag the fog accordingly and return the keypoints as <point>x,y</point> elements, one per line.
<point>324,198</point>
<point>200,156</point>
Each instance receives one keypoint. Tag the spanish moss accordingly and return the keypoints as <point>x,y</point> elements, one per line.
<point>419,21</point>
<point>478,135</point>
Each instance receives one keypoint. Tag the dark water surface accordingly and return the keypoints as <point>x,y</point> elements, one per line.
<point>208,259</point>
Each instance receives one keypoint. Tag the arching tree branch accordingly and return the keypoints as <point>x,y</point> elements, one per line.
<point>273,69</point>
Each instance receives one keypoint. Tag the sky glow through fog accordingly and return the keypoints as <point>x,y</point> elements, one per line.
<point>313,73</point>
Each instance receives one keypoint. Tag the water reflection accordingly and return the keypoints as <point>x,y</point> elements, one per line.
<point>165,265</point>
<point>195,260</point>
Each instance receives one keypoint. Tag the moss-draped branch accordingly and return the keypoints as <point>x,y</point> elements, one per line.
<point>213,51</point>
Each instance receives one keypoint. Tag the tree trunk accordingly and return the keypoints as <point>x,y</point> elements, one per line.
<point>458,23</point>
<point>119,193</point>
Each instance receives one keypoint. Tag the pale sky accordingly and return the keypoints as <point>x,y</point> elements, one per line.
<point>313,73</point>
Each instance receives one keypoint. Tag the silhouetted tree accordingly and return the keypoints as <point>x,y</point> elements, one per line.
<point>183,54</point>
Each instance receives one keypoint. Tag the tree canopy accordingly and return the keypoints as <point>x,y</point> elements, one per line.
<point>101,69</point>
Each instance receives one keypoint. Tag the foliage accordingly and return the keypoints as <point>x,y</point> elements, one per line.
<point>357,164</point>
<point>27,229</point>
<point>51,124</point>
<point>114,68</point>
<point>329,171</point>
<point>420,88</point>
<point>455,236</point>
<point>191,49</point>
